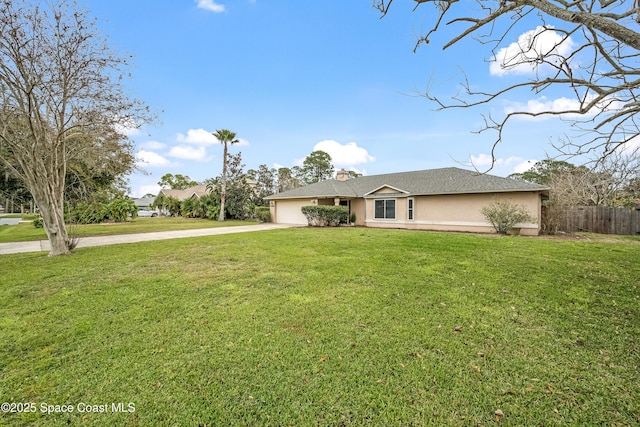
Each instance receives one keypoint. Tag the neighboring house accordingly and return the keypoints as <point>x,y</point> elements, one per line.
<point>144,202</point>
<point>196,191</point>
<point>448,199</point>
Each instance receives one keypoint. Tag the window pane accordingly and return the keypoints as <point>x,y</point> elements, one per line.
<point>391,209</point>
<point>379,204</point>
<point>410,214</point>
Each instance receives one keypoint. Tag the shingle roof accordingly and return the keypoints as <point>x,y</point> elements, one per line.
<point>197,190</point>
<point>144,201</point>
<point>424,182</point>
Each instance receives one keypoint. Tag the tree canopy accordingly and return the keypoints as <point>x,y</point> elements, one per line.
<point>542,171</point>
<point>612,182</point>
<point>176,182</point>
<point>588,51</point>
<point>316,167</point>
<point>61,100</point>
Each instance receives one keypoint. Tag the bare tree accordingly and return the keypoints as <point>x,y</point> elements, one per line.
<point>61,97</point>
<point>616,175</point>
<point>588,49</point>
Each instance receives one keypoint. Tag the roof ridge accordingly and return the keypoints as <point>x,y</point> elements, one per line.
<point>449,180</point>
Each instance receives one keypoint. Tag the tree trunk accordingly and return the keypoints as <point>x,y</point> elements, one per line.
<point>50,201</point>
<point>223,189</point>
<point>56,231</point>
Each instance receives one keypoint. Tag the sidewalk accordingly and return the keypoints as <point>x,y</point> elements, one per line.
<point>85,242</point>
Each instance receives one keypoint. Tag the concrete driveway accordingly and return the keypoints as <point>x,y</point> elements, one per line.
<point>43,245</point>
<point>9,221</point>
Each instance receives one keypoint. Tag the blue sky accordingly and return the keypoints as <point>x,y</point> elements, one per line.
<point>293,76</point>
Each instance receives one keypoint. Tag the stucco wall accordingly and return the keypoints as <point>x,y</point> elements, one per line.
<point>357,207</point>
<point>456,212</point>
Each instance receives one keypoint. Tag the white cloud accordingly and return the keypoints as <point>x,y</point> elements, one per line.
<point>210,5</point>
<point>558,105</point>
<point>188,153</point>
<point>241,143</point>
<point>149,158</point>
<point>524,166</point>
<point>360,171</point>
<point>147,189</point>
<point>521,57</point>
<point>127,127</point>
<point>153,145</point>
<point>481,160</point>
<point>632,146</point>
<point>198,137</point>
<point>542,104</point>
<point>204,137</point>
<point>501,166</point>
<point>344,155</point>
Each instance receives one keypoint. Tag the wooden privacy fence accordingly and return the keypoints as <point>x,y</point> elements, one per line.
<point>601,219</point>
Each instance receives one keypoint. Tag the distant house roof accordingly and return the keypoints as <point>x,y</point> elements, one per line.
<point>195,191</point>
<point>144,202</point>
<point>417,183</point>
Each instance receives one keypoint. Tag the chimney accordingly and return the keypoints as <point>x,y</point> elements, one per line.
<point>342,175</point>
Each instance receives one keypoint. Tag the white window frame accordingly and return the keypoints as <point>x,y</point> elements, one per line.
<point>411,209</point>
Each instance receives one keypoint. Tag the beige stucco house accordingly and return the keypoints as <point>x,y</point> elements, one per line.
<point>448,199</point>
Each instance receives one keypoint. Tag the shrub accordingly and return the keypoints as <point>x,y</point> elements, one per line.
<point>87,213</point>
<point>552,212</point>
<point>504,215</point>
<point>118,210</point>
<point>38,222</point>
<point>263,213</point>
<point>211,205</point>
<point>167,204</point>
<point>192,208</point>
<point>321,216</point>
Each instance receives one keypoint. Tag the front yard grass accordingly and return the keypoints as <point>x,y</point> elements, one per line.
<point>344,326</point>
<point>27,232</point>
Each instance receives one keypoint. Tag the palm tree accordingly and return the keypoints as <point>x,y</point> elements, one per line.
<point>225,137</point>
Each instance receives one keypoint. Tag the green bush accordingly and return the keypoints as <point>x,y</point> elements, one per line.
<point>38,222</point>
<point>192,208</point>
<point>321,216</point>
<point>87,213</point>
<point>504,215</point>
<point>211,205</point>
<point>167,204</point>
<point>118,210</point>
<point>263,213</point>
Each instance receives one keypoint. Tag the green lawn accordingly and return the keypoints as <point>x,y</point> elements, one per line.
<point>26,217</point>
<point>341,326</point>
<point>27,232</point>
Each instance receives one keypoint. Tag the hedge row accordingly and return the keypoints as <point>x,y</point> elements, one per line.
<point>321,216</point>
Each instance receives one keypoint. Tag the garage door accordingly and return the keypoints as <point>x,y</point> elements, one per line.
<point>288,211</point>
